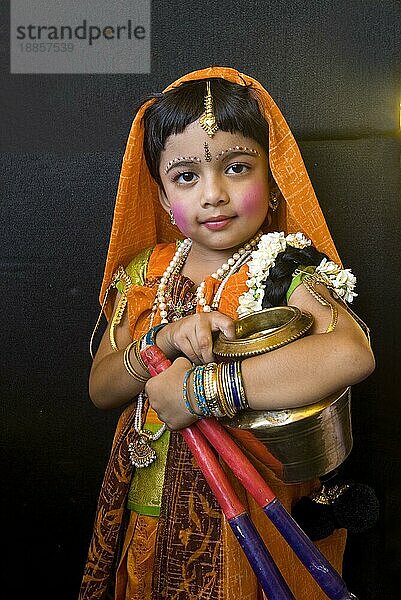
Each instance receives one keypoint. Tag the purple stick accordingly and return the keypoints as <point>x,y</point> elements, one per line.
<point>261,561</point>
<point>318,566</point>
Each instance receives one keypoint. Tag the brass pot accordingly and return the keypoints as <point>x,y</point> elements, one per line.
<point>304,442</point>
<point>300,443</point>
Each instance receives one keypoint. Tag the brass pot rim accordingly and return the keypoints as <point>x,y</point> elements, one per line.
<point>263,331</point>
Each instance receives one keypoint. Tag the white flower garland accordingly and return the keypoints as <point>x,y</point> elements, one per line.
<point>263,259</point>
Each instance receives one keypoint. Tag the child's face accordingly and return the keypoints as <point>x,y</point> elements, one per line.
<point>219,194</point>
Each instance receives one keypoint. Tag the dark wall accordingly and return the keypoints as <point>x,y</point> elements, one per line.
<point>333,68</point>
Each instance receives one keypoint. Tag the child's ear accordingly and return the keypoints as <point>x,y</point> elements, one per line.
<point>163,199</point>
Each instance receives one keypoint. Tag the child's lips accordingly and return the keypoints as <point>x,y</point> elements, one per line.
<point>216,223</point>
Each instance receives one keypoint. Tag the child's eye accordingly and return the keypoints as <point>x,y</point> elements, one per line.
<point>237,168</point>
<point>184,177</point>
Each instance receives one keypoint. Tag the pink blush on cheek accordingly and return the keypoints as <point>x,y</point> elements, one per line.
<point>180,218</point>
<point>253,199</point>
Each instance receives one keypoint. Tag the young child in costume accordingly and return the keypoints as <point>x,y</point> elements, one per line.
<point>211,161</point>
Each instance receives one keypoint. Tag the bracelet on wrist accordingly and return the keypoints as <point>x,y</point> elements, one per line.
<point>137,351</point>
<point>150,336</point>
<point>185,394</point>
<point>129,367</point>
<point>218,389</point>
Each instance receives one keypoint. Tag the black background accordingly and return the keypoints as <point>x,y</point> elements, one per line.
<point>333,68</point>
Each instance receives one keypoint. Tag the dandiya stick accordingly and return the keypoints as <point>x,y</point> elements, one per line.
<point>262,563</point>
<point>315,562</point>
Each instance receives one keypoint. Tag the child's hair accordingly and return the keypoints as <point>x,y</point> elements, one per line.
<point>280,275</point>
<point>235,107</point>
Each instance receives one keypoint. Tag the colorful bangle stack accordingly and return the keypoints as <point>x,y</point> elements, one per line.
<point>218,389</point>
<point>199,391</point>
<point>185,391</point>
<point>128,365</point>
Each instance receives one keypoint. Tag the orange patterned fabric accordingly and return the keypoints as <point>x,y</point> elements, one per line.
<point>134,574</point>
<point>235,576</point>
<point>140,221</point>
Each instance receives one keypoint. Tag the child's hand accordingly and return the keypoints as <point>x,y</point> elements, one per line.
<point>166,395</point>
<point>192,336</point>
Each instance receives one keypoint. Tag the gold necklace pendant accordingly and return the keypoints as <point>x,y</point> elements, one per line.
<point>140,451</point>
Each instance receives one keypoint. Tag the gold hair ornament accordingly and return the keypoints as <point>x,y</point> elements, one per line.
<point>327,495</point>
<point>207,120</point>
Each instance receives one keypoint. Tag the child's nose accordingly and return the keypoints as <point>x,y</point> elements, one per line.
<point>214,192</point>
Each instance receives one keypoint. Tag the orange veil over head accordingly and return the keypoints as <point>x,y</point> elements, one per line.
<point>140,221</point>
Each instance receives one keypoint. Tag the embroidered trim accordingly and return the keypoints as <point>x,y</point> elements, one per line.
<point>119,275</point>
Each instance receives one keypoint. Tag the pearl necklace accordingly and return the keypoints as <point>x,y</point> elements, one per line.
<point>222,274</point>
<point>140,451</point>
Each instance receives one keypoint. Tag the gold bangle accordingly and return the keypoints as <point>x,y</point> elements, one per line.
<point>224,392</point>
<point>228,388</point>
<point>137,352</point>
<point>211,393</point>
<point>130,368</point>
<point>220,392</point>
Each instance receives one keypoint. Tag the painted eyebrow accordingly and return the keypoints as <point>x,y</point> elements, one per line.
<point>237,150</point>
<point>181,160</point>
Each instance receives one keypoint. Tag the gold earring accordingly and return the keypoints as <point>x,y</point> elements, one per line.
<point>172,219</point>
<point>274,201</point>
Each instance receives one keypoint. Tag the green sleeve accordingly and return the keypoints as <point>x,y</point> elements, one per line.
<point>136,269</point>
<point>298,279</point>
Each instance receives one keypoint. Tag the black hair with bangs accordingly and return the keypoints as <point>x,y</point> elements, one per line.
<point>235,107</point>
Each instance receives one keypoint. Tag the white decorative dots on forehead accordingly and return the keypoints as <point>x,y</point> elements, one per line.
<point>190,159</point>
<point>238,149</point>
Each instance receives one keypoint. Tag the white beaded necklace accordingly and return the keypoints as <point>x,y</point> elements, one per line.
<point>222,274</point>
<point>140,451</point>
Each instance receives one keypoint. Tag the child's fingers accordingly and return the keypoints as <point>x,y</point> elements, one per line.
<point>204,340</point>
<point>224,324</point>
<point>190,348</point>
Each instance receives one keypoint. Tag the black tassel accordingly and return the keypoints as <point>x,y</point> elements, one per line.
<point>337,504</point>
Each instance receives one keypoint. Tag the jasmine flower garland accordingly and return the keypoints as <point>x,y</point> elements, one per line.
<point>343,281</point>
<point>263,259</point>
